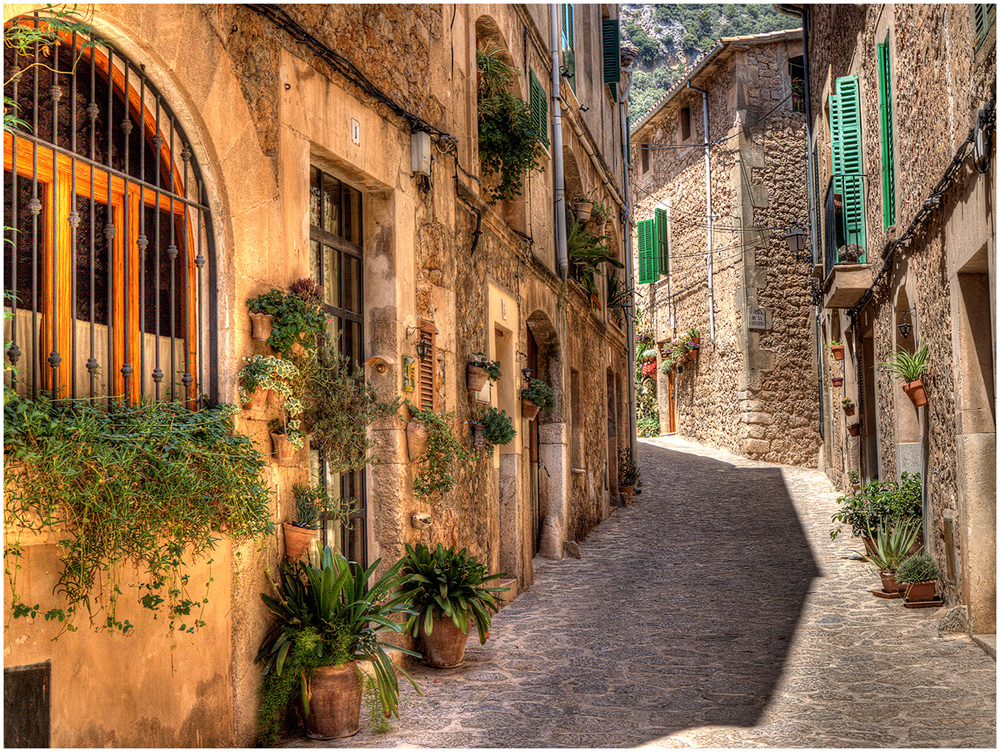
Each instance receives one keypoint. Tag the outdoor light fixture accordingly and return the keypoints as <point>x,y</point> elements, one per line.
<point>796,240</point>
<point>422,346</point>
<point>527,372</point>
<point>905,328</point>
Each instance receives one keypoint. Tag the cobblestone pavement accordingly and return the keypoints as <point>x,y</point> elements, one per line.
<point>715,612</point>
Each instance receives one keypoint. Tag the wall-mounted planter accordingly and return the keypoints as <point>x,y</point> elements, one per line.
<point>848,409</point>
<point>478,439</point>
<point>528,409</point>
<point>854,429</point>
<point>298,540</point>
<point>416,439</point>
<point>838,352</point>
<point>283,448</point>
<point>916,392</point>
<point>261,325</point>
<point>258,400</point>
<point>837,381</point>
<point>583,209</point>
<point>476,377</point>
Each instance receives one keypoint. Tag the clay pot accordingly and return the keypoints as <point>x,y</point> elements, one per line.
<point>444,647</point>
<point>416,439</point>
<point>528,409</point>
<point>583,210</point>
<point>258,399</point>
<point>838,352</point>
<point>283,448</point>
<point>889,583</point>
<point>298,540</point>
<point>837,381</point>
<point>626,493</point>
<point>478,439</point>
<point>854,429</point>
<point>261,325</point>
<point>334,702</point>
<point>915,391</point>
<point>920,591</point>
<point>476,377</point>
<point>848,409</point>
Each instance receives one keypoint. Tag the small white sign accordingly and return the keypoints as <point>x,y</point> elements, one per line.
<point>355,132</point>
<point>757,318</point>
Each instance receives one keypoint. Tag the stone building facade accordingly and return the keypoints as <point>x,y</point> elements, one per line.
<point>275,104</point>
<point>752,388</point>
<point>920,271</point>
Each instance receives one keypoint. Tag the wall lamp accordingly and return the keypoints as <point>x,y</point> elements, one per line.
<point>905,328</point>
<point>796,240</point>
<point>422,346</point>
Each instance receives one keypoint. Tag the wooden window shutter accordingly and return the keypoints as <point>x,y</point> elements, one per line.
<point>539,106</point>
<point>845,147</point>
<point>628,138</point>
<point>569,45</point>
<point>888,150</point>
<point>663,256</point>
<point>612,55</point>
<point>983,15</point>
<point>427,368</point>
<point>648,252</point>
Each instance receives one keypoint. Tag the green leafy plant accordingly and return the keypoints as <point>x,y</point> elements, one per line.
<point>891,543</point>
<point>907,366</point>
<point>339,406</point>
<point>151,486</point>
<point>628,470</point>
<point>312,501</point>
<point>877,502</point>
<point>498,428</point>
<point>328,616</point>
<point>619,297</point>
<point>835,343</point>
<point>492,367</point>
<point>442,583</point>
<point>853,476</point>
<point>297,319</point>
<point>918,568</point>
<point>847,402</point>
<point>510,143</point>
<point>647,426</point>
<point>285,379</point>
<point>647,410</point>
<point>601,212</point>
<point>444,450</point>
<point>540,393</point>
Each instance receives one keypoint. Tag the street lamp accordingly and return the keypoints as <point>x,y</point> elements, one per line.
<point>796,240</point>
<point>904,327</point>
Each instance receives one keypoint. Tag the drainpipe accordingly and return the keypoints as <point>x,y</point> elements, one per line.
<point>708,211</point>
<point>629,312</point>
<point>558,181</point>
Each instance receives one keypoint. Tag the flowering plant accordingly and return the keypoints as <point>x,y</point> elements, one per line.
<point>648,369</point>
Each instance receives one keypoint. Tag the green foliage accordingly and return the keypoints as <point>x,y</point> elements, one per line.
<point>647,410</point>
<point>647,426</point>
<point>510,144</point>
<point>443,583</point>
<point>492,367</point>
<point>150,486</point>
<point>377,720</point>
<point>312,501</point>
<point>444,450</point>
<point>297,319</point>
<point>339,406</point>
<point>679,350</point>
<point>877,503</point>
<point>304,654</point>
<point>284,378</point>
<point>334,612</point>
<point>540,393</point>
<point>891,543</point>
<point>628,471</point>
<point>498,428</point>
<point>907,366</point>
<point>918,568</point>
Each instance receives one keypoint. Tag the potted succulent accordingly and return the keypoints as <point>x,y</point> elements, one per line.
<point>447,592</point>
<point>837,348</point>
<point>497,427</point>
<point>848,404</point>
<point>890,545</point>
<point>582,207</point>
<point>910,369</point>
<point>282,447</point>
<point>854,478</point>
<point>297,321</point>
<point>536,396</point>
<point>480,369</point>
<point>310,503</point>
<point>326,619</point>
<point>628,474</point>
<point>919,573</point>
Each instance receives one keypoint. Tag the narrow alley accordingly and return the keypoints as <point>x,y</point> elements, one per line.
<point>715,612</point>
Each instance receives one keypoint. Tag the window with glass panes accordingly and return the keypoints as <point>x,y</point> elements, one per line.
<point>335,213</point>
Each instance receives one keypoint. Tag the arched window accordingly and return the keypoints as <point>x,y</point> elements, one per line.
<point>108,241</point>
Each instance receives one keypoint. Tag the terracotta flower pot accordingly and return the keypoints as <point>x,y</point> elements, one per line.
<point>916,392</point>
<point>476,377</point>
<point>283,448</point>
<point>334,702</point>
<point>838,352</point>
<point>848,409</point>
<point>298,540</point>
<point>478,439</point>
<point>889,583</point>
<point>261,325</point>
<point>528,409</point>
<point>583,210</point>
<point>920,591</point>
<point>837,381</point>
<point>444,647</point>
<point>626,493</point>
<point>854,429</point>
<point>416,439</point>
<point>258,400</point>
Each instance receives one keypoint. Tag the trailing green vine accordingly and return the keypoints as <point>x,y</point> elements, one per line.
<point>444,450</point>
<point>285,379</point>
<point>151,486</point>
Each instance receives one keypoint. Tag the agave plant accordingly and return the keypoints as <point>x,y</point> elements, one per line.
<point>443,583</point>
<point>908,366</point>
<point>891,545</point>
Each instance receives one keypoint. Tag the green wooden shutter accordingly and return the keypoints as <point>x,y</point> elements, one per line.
<point>539,106</point>
<point>845,147</point>
<point>663,254</point>
<point>888,147</point>
<point>983,15</point>
<point>612,55</point>
<point>569,45</point>
<point>648,256</point>
<point>628,138</point>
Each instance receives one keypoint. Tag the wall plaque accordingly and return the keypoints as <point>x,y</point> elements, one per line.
<point>756,318</point>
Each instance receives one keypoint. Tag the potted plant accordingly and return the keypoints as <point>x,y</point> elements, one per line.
<point>919,573</point>
<point>297,322</point>
<point>854,478</point>
<point>837,380</point>
<point>447,592</point>
<point>848,404</point>
<point>692,344</point>
<point>480,369</point>
<point>628,474</point>
<point>890,545</point>
<point>282,377</point>
<point>854,429</point>
<point>536,396</point>
<point>877,502</point>
<point>910,368</point>
<point>442,450</point>
<point>282,447</point>
<point>326,619</point>
<point>599,215</point>
<point>497,427</point>
<point>837,348</point>
<point>582,207</point>
<point>310,503</point>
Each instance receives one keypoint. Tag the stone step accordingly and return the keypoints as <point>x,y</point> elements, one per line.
<point>988,642</point>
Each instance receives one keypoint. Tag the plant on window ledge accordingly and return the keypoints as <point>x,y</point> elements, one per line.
<point>510,143</point>
<point>297,318</point>
<point>444,450</point>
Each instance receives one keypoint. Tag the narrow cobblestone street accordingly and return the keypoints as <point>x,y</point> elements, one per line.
<point>715,612</point>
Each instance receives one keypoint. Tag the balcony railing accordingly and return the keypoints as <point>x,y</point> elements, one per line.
<point>844,221</point>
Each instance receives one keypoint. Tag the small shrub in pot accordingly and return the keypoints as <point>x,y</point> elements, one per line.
<point>919,572</point>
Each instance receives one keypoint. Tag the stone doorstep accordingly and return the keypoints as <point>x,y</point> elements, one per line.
<point>988,642</point>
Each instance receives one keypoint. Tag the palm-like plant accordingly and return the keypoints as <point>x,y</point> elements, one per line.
<point>891,543</point>
<point>908,366</point>
<point>443,583</point>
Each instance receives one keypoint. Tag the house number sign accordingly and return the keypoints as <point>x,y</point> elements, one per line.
<point>757,318</point>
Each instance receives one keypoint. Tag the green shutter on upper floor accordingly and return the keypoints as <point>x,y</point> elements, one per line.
<point>568,37</point>
<point>648,252</point>
<point>539,105</point>
<point>845,148</point>
<point>983,16</point>
<point>612,55</point>
<point>888,145</point>
<point>663,251</point>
